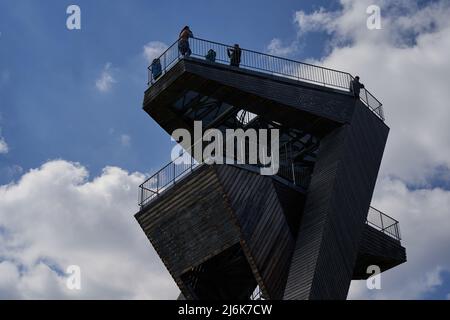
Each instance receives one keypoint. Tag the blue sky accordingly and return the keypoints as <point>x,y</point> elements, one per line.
<point>52,106</point>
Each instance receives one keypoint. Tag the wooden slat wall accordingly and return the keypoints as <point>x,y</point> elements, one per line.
<point>340,192</point>
<point>162,94</point>
<point>314,99</point>
<point>293,203</point>
<point>377,248</point>
<point>216,207</point>
<point>285,101</point>
<point>164,83</point>
<point>190,223</point>
<point>336,207</point>
<point>266,237</point>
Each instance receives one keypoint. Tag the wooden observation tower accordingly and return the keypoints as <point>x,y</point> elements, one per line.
<point>225,231</point>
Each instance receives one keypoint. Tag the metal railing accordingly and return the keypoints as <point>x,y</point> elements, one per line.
<point>269,64</point>
<point>185,164</point>
<point>166,177</point>
<point>383,223</point>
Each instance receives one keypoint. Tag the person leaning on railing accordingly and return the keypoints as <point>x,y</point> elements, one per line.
<point>235,55</point>
<point>355,87</point>
<point>156,68</point>
<point>211,56</point>
<point>183,41</point>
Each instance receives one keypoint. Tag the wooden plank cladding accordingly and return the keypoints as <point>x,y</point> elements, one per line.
<point>283,100</point>
<point>223,229</point>
<point>265,232</point>
<point>336,208</point>
<point>313,99</point>
<point>377,248</point>
<point>216,207</point>
<point>189,224</point>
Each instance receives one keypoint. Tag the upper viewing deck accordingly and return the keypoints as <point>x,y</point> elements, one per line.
<point>268,64</point>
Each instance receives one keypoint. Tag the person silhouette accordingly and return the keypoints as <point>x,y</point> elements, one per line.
<point>183,41</point>
<point>156,68</point>
<point>355,87</point>
<point>235,55</point>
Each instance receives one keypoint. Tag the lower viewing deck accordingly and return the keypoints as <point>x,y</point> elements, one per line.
<point>210,220</point>
<point>290,176</point>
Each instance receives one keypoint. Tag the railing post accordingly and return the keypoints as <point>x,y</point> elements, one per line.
<point>293,173</point>
<point>157,184</point>
<point>142,196</point>
<point>165,62</point>
<point>286,157</point>
<point>397,233</point>
<point>381,219</point>
<point>173,172</point>
<point>323,77</point>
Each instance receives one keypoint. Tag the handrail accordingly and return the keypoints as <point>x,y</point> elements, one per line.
<point>178,169</point>
<point>263,62</point>
<point>383,223</point>
<point>184,164</point>
<point>166,177</point>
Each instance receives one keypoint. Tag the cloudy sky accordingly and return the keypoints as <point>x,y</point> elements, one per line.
<point>75,143</point>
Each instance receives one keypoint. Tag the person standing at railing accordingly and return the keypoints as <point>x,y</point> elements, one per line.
<point>355,87</point>
<point>211,56</point>
<point>183,41</point>
<point>235,55</point>
<point>156,68</point>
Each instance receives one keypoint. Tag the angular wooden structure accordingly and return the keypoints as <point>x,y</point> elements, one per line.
<point>223,230</point>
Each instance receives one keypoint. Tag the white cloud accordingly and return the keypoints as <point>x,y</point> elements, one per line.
<point>406,66</point>
<point>424,225</point>
<point>125,140</point>
<point>319,20</point>
<point>277,48</point>
<point>54,217</point>
<point>408,70</point>
<point>3,146</point>
<point>106,79</point>
<point>154,49</point>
